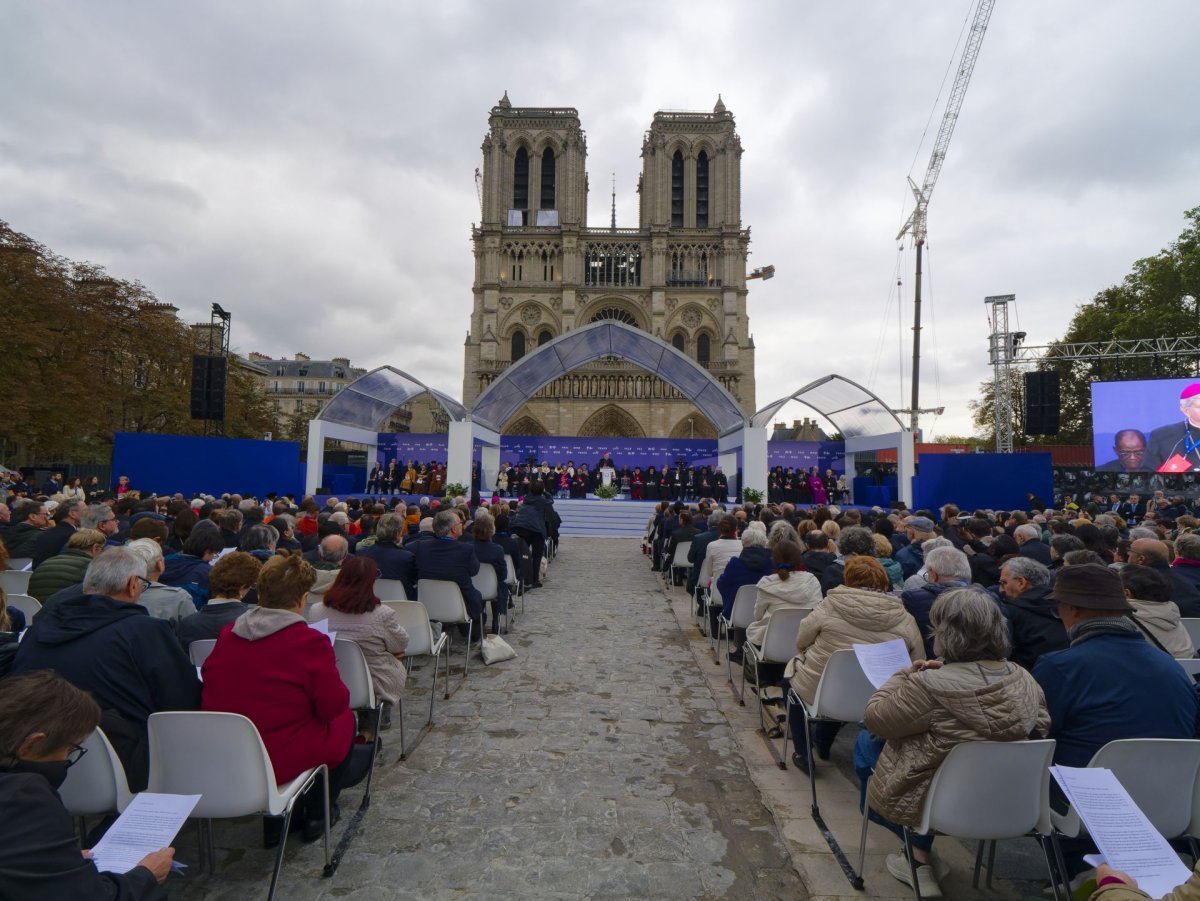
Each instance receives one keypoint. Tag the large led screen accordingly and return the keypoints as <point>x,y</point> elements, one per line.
<point>1147,426</point>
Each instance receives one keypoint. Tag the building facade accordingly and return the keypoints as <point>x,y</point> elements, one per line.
<point>541,271</point>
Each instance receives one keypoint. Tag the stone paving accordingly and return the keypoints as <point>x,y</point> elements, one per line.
<point>595,765</point>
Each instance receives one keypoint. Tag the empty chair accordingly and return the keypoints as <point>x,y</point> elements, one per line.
<point>487,585</point>
<point>986,791</point>
<point>740,617</point>
<point>842,696</point>
<point>15,581</point>
<point>356,676</point>
<point>391,590</point>
<point>414,619</point>
<point>779,646</point>
<point>199,650</point>
<point>221,757</point>
<point>1192,625</point>
<point>27,605</point>
<point>96,783</point>
<point>445,604</point>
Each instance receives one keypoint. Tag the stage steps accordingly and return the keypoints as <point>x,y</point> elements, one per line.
<point>594,518</point>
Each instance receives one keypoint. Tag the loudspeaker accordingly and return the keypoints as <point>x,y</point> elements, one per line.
<point>208,386</point>
<point>1042,403</point>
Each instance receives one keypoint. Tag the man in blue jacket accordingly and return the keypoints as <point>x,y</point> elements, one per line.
<point>104,642</point>
<point>394,562</point>
<point>447,559</point>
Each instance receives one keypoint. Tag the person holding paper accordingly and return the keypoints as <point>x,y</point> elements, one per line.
<point>972,693</point>
<point>270,667</point>
<point>1113,885</point>
<point>43,721</point>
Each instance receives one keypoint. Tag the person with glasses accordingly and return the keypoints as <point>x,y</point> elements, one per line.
<point>44,720</point>
<point>105,642</point>
<point>945,568</point>
<point>29,521</point>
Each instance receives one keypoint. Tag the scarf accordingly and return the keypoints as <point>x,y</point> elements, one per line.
<point>1103,625</point>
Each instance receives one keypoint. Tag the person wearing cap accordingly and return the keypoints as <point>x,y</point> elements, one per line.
<point>1179,439</point>
<point>1110,683</point>
<point>910,557</point>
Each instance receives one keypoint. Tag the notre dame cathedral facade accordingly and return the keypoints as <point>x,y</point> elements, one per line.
<point>541,271</point>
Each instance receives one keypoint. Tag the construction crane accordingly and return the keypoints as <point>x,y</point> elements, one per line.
<point>917,221</point>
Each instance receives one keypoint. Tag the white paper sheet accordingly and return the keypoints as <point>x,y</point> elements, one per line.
<point>1120,830</point>
<point>150,822</point>
<point>882,661</point>
<point>323,628</point>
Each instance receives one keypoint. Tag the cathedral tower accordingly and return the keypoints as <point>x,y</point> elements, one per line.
<point>541,271</point>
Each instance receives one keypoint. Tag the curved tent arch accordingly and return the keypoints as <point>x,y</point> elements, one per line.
<point>607,338</point>
<point>370,400</point>
<point>855,411</point>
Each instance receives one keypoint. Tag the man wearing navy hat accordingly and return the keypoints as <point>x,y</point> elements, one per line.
<point>1176,447</point>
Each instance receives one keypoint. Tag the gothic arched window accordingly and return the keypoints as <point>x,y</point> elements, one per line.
<point>703,347</point>
<point>677,189</point>
<point>615,313</point>
<point>521,180</point>
<point>544,337</point>
<point>547,179</point>
<point>677,341</point>
<point>518,346</point>
<point>702,190</point>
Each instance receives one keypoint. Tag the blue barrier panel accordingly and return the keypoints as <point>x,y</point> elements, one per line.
<point>165,464</point>
<point>992,481</point>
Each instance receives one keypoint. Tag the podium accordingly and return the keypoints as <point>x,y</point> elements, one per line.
<point>607,474</point>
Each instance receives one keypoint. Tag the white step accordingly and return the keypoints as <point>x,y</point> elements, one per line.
<point>597,518</point>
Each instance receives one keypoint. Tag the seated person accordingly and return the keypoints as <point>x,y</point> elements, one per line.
<point>717,556</point>
<point>1033,621</point>
<point>444,558</point>
<point>786,585</point>
<point>683,533</point>
<point>747,568</point>
<point>43,721</point>
<point>105,642</point>
<point>270,667</point>
<point>189,569</point>
<point>229,583</point>
<point>66,569</point>
<point>394,562</point>
<point>945,568</point>
<point>970,693</point>
<point>491,554</point>
<point>859,611</point>
<point>1150,595</point>
<point>163,601</point>
<point>356,614</point>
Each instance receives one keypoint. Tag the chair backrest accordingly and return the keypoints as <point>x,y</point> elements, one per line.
<point>356,674</point>
<point>390,590</point>
<point>1191,665</point>
<point>14,581</point>
<point>742,613</point>
<point>97,783</point>
<point>19,563</point>
<point>414,619</point>
<point>681,554</point>
<point>514,574</point>
<point>1192,624</point>
<point>219,756</point>
<point>443,600</point>
<point>199,650</point>
<point>779,644</point>
<point>843,691</point>
<point>1153,770</point>
<point>485,582</point>
<point>990,790</point>
<point>27,605</point>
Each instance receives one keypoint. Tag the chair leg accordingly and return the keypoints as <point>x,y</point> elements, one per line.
<point>287,825</point>
<point>447,671</point>
<point>862,838</point>
<point>812,764</point>
<point>467,656</point>
<point>742,695</point>
<point>991,863</point>
<point>912,863</point>
<point>1048,853</point>
<point>400,714</point>
<point>212,846</point>
<point>978,865</point>
<point>366,798</point>
<point>1060,862</point>
<point>329,867</point>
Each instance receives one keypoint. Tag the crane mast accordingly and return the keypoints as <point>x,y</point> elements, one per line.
<point>916,223</point>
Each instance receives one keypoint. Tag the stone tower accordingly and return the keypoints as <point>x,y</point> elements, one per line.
<point>541,271</point>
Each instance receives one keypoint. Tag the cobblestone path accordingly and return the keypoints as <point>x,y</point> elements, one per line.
<point>595,765</point>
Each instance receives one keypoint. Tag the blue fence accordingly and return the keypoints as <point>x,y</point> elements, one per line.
<point>165,464</point>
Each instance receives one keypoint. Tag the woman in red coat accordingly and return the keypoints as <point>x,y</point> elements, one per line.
<point>272,668</point>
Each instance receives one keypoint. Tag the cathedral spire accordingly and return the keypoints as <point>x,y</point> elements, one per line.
<point>505,103</point>
<point>614,202</point>
<point>718,109</point>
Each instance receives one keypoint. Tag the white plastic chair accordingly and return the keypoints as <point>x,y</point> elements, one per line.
<point>356,676</point>
<point>740,616</point>
<point>779,646</point>
<point>96,784</point>
<point>1191,666</point>
<point>414,619</point>
<point>986,791</point>
<point>1192,624</point>
<point>446,605</point>
<point>391,590</point>
<point>841,697</point>
<point>18,563</point>
<point>221,757</point>
<point>515,585</point>
<point>14,581</point>
<point>199,650</point>
<point>488,586</point>
<point>679,561</point>
<point>27,605</point>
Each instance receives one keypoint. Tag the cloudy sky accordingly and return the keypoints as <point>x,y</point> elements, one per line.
<point>310,166</point>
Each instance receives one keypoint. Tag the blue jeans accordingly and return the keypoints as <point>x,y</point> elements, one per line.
<point>867,749</point>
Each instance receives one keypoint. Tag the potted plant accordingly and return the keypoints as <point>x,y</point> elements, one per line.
<point>751,495</point>
<point>454,489</point>
<point>606,492</point>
